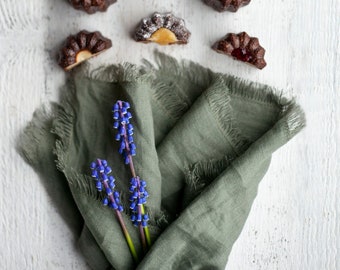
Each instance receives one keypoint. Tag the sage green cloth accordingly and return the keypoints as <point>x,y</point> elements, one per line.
<point>204,142</point>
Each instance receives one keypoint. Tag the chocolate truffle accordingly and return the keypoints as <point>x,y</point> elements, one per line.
<point>164,29</point>
<point>81,47</point>
<point>243,48</point>
<point>92,6</point>
<point>223,5</point>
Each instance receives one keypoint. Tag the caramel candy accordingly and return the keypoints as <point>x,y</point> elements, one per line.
<point>164,29</point>
<point>81,47</point>
<point>92,6</point>
<point>242,47</point>
<point>223,5</point>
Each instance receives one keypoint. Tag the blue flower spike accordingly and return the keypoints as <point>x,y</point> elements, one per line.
<point>138,198</point>
<point>106,182</point>
<point>122,117</point>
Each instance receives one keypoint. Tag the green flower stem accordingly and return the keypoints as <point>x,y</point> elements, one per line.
<point>146,231</point>
<point>127,237</point>
<point>141,231</point>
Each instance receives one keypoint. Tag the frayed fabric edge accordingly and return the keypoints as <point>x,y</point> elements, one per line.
<point>203,172</point>
<point>33,133</point>
<point>120,73</point>
<point>176,103</point>
<point>294,119</point>
<point>219,103</point>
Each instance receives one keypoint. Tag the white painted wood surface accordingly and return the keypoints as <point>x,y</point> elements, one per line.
<point>295,220</point>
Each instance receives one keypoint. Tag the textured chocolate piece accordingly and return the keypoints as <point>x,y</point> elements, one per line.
<point>242,47</point>
<point>92,6</point>
<point>170,28</point>
<point>230,5</point>
<point>80,47</point>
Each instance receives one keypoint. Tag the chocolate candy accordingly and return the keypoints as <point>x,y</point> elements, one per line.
<point>164,29</point>
<point>92,6</point>
<point>243,48</point>
<point>81,47</point>
<point>223,5</point>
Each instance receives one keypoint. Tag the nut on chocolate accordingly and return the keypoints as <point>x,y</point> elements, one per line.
<point>223,5</point>
<point>242,47</point>
<point>92,6</point>
<point>81,47</point>
<point>164,29</point>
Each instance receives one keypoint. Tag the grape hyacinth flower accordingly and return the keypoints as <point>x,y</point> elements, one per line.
<point>106,182</point>
<point>125,130</point>
<point>138,198</point>
<point>127,149</point>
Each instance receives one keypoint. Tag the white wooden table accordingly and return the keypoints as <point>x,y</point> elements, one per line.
<point>295,219</point>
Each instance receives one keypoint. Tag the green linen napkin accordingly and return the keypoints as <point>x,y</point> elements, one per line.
<point>204,142</point>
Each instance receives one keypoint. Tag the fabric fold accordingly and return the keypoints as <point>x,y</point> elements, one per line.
<point>204,142</point>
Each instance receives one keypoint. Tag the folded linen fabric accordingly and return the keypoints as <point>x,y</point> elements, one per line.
<point>204,143</point>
